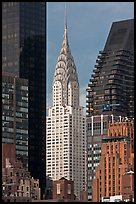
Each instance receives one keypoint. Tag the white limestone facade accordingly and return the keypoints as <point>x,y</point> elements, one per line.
<point>65,124</point>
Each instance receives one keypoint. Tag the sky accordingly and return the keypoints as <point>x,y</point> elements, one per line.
<point>88,25</point>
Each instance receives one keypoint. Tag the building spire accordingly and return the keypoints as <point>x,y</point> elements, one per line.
<point>65,28</point>
<point>65,23</point>
<point>65,71</point>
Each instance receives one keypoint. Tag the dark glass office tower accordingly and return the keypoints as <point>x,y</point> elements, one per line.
<point>111,87</point>
<point>110,92</point>
<point>23,53</point>
<point>15,114</point>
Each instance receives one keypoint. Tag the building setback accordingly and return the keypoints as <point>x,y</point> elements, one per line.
<point>116,159</point>
<point>23,53</point>
<point>110,92</point>
<point>111,87</point>
<point>65,135</point>
<point>15,115</point>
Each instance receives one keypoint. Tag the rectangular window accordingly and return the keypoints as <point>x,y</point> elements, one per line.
<point>58,188</point>
<point>69,188</point>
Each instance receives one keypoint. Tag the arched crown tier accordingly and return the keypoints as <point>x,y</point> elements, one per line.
<point>65,72</point>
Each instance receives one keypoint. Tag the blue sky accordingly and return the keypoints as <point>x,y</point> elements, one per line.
<point>89,24</point>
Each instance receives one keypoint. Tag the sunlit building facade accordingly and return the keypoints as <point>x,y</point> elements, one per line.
<point>116,160</point>
<point>65,123</point>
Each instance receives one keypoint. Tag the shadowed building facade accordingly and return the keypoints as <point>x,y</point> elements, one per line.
<point>23,53</point>
<point>63,189</point>
<point>17,183</point>
<point>15,116</point>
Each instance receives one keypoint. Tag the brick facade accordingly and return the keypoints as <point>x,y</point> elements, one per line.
<point>63,189</point>
<point>128,186</point>
<point>117,150</point>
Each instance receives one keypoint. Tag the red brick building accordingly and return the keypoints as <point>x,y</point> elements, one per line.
<point>116,159</point>
<point>63,189</point>
<point>84,196</point>
<point>128,186</point>
<point>17,183</point>
<point>8,151</point>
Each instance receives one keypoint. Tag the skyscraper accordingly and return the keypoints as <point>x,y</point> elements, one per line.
<point>23,53</point>
<point>110,92</point>
<point>15,115</point>
<point>111,87</point>
<point>65,137</point>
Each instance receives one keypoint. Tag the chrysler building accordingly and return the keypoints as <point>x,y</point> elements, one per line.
<point>65,123</point>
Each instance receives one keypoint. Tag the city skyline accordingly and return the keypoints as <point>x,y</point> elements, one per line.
<point>82,147</point>
<point>86,38</point>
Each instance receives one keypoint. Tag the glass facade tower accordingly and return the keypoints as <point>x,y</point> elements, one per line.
<point>111,87</point>
<point>15,114</point>
<point>23,53</point>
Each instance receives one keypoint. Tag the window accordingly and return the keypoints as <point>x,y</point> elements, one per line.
<point>58,188</point>
<point>69,188</point>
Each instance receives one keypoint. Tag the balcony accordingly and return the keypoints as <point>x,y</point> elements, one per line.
<point>89,96</point>
<point>101,57</point>
<point>91,85</point>
<point>97,66</point>
<point>89,100</point>
<point>102,52</point>
<point>88,106</point>
<point>93,80</point>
